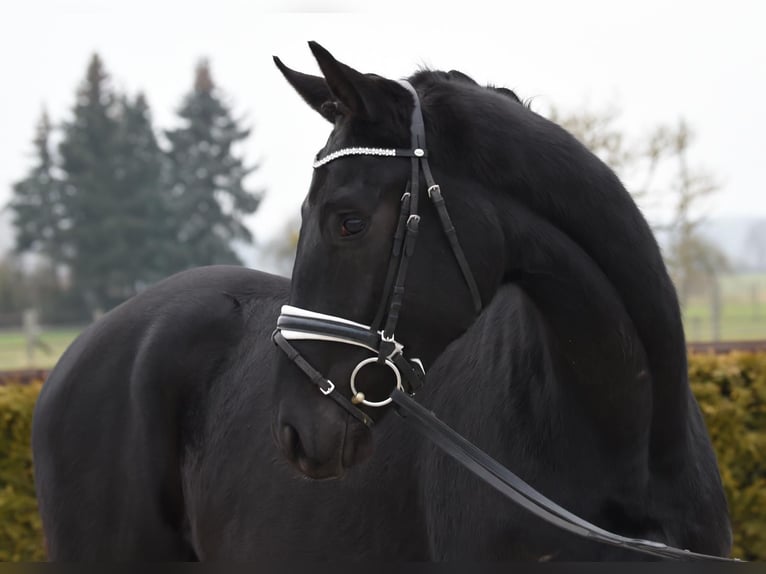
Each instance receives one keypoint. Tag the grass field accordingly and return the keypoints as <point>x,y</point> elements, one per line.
<point>13,348</point>
<point>743,310</point>
<point>743,317</point>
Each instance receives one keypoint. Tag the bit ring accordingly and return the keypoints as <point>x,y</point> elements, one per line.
<point>363,364</point>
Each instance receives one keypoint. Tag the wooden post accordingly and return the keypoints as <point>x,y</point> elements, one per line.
<point>715,310</point>
<point>696,329</point>
<point>754,300</point>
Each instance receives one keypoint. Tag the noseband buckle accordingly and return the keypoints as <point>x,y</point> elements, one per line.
<point>328,389</point>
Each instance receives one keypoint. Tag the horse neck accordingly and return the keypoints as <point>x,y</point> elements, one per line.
<point>545,169</point>
<point>596,357</point>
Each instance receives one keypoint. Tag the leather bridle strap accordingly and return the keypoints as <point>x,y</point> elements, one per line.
<point>296,324</point>
<point>400,256</point>
<point>408,225</point>
<point>393,260</point>
<point>514,488</point>
<point>326,386</point>
<point>435,194</point>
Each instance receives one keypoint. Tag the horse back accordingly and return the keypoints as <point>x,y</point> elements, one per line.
<point>107,425</point>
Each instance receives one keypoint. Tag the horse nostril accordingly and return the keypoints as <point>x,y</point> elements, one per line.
<point>291,441</point>
<point>317,465</point>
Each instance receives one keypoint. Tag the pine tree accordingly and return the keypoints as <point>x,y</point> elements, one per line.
<point>144,236</point>
<point>207,176</point>
<point>91,172</point>
<point>36,202</point>
<point>41,221</point>
<point>121,234</point>
<point>119,213</point>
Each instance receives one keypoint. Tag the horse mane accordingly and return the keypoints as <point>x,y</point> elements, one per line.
<point>487,135</point>
<point>424,76</point>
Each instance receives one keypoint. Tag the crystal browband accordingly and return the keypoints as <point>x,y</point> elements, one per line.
<point>374,151</point>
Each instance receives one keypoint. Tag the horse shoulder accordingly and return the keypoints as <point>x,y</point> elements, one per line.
<point>107,427</point>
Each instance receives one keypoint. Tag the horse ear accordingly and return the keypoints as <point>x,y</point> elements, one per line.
<point>350,87</point>
<point>313,89</point>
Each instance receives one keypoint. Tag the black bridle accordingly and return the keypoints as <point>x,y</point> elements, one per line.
<point>295,323</point>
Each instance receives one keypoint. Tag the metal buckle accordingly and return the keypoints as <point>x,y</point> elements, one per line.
<point>414,217</point>
<point>434,187</point>
<point>330,389</point>
<point>419,363</point>
<point>392,339</point>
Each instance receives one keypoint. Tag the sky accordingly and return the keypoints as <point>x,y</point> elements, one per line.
<point>656,61</point>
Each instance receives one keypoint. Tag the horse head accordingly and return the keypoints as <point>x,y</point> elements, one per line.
<point>477,178</point>
<point>358,210</point>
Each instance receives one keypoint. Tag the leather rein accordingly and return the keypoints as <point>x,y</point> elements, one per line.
<point>295,323</point>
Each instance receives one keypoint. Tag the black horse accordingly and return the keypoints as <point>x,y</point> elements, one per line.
<point>156,435</point>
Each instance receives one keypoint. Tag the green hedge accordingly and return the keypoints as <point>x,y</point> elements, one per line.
<point>20,528</point>
<point>731,390</point>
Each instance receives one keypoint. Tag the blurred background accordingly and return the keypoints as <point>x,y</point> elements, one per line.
<point>140,139</point>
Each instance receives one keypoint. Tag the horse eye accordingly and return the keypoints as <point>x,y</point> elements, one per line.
<point>352,226</point>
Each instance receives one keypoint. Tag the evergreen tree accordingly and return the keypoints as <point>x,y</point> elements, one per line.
<point>91,173</point>
<point>116,211</point>
<point>36,203</point>
<point>14,292</point>
<point>207,176</point>
<point>121,234</point>
<point>143,235</point>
